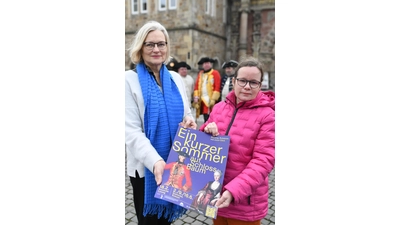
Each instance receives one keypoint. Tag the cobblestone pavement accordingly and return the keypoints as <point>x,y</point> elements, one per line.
<point>191,217</point>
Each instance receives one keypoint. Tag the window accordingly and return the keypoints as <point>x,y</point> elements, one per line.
<point>265,83</point>
<point>162,5</point>
<point>143,8</point>
<point>225,8</point>
<point>210,7</point>
<point>135,4</point>
<point>172,4</point>
<point>134,7</point>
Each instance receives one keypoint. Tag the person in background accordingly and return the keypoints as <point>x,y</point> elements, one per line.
<point>226,79</point>
<point>132,66</point>
<point>207,88</point>
<point>248,117</point>
<point>171,64</point>
<point>182,68</point>
<point>155,103</point>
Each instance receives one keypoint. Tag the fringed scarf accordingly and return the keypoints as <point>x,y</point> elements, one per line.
<point>163,112</point>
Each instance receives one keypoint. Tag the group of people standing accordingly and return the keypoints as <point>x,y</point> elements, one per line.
<point>209,87</point>
<point>156,102</point>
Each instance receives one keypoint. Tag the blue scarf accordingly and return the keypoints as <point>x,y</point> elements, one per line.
<point>163,112</point>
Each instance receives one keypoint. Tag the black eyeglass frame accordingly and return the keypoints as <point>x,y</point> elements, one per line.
<point>251,83</point>
<point>151,45</point>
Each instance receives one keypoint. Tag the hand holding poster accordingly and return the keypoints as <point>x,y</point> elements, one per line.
<point>194,171</point>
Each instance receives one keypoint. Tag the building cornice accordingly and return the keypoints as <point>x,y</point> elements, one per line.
<point>186,28</point>
<point>262,7</point>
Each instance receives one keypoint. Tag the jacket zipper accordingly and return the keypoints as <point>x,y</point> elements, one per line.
<point>233,118</point>
<point>227,131</point>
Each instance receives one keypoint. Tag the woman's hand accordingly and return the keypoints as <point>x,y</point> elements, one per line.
<point>211,128</point>
<point>158,171</point>
<point>225,200</point>
<point>188,122</point>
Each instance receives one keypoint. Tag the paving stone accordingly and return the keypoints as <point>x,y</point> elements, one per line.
<point>208,221</point>
<point>194,218</point>
<point>197,223</point>
<point>129,215</point>
<point>192,213</point>
<point>178,222</point>
<point>201,217</point>
<point>188,220</point>
<point>130,208</point>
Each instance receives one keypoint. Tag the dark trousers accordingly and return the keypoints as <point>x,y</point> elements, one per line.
<point>206,117</point>
<point>138,200</point>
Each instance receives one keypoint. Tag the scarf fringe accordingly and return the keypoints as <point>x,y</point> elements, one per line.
<point>170,213</point>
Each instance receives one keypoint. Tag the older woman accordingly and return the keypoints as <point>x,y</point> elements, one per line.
<point>248,117</point>
<point>154,107</point>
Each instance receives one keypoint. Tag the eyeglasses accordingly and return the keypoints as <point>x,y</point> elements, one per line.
<point>243,82</point>
<point>150,45</point>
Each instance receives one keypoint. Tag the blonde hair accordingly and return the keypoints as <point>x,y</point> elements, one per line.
<point>135,51</point>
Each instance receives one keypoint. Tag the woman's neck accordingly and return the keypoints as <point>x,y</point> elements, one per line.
<point>155,70</point>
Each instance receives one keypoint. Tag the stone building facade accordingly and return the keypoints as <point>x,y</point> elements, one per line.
<point>220,29</point>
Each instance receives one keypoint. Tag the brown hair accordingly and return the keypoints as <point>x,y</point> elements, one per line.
<point>250,61</point>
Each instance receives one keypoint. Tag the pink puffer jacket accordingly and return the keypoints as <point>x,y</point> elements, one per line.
<point>251,126</point>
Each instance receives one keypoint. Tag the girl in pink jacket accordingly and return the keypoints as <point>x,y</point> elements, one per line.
<point>248,117</point>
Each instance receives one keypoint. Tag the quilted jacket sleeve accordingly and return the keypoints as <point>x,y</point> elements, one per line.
<point>261,164</point>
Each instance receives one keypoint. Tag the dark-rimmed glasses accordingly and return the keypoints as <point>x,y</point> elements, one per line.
<point>150,45</point>
<point>243,82</point>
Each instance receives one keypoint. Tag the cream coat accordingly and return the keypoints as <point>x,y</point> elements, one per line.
<point>139,151</point>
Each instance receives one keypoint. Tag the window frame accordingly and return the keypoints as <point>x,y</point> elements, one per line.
<point>142,4</point>
<point>133,4</point>
<point>170,6</point>
<point>213,11</point>
<point>210,7</point>
<point>224,11</point>
<point>159,5</point>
